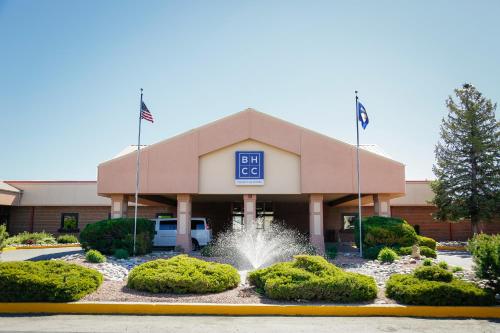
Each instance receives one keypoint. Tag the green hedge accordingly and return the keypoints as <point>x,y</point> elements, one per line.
<point>109,235</point>
<point>485,250</point>
<point>46,281</point>
<point>433,273</point>
<point>30,238</point>
<point>426,241</point>
<point>313,278</point>
<point>408,289</point>
<point>182,274</point>
<point>67,239</point>
<point>3,236</point>
<point>387,231</point>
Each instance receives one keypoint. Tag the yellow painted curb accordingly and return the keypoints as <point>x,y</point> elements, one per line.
<point>451,248</point>
<point>45,247</point>
<point>254,309</point>
<point>8,248</point>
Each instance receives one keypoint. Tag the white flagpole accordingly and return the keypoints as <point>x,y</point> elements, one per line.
<point>359,185</point>
<point>137,173</point>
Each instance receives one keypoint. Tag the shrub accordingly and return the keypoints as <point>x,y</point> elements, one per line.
<point>443,264</point>
<point>427,262</point>
<point>404,251</point>
<point>95,256</point>
<point>485,250</point>
<point>427,252</point>
<point>67,239</point>
<point>109,235</point>
<point>208,250</point>
<point>312,278</point>
<point>387,231</point>
<point>408,289</point>
<point>121,254</point>
<point>182,274</point>
<point>387,255</point>
<point>31,238</point>
<point>46,281</point>
<point>331,252</point>
<point>3,236</point>
<point>372,252</point>
<point>433,273</point>
<point>457,269</point>
<point>426,241</point>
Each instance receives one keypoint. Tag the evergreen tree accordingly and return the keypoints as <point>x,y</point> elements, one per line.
<point>468,160</point>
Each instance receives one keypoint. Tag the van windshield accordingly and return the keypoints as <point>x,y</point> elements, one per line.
<point>197,225</point>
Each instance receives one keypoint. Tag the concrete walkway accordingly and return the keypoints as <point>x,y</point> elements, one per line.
<point>38,254</point>
<point>221,324</point>
<point>456,258</point>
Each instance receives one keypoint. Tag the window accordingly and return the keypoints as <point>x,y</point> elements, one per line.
<point>197,225</point>
<point>237,215</point>
<point>69,222</point>
<point>348,220</point>
<point>168,225</point>
<point>265,214</point>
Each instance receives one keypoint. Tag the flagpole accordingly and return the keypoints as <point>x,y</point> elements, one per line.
<point>137,174</point>
<point>359,185</point>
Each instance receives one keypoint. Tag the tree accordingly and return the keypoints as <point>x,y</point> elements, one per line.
<point>468,160</point>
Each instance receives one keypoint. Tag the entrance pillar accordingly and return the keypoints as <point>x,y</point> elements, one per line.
<point>119,205</point>
<point>316,236</point>
<point>382,204</point>
<point>183,238</point>
<point>249,209</point>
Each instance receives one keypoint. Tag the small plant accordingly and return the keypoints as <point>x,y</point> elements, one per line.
<point>443,264</point>
<point>95,256</point>
<point>387,255</point>
<point>121,254</point>
<point>433,273</point>
<point>32,238</point>
<point>331,252</point>
<point>427,262</point>
<point>426,241</point>
<point>67,239</point>
<point>457,269</point>
<point>3,236</point>
<point>427,252</point>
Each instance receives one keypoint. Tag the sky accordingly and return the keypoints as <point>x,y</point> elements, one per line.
<point>70,73</point>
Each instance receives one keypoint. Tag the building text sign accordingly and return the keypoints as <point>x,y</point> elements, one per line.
<point>249,168</point>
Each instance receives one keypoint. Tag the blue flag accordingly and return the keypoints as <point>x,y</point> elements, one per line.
<point>362,115</point>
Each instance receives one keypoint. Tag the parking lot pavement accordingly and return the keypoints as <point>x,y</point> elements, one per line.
<point>38,254</point>
<point>456,258</point>
<point>215,324</point>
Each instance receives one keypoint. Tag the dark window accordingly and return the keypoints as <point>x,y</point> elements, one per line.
<point>69,222</point>
<point>164,215</point>
<point>348,221</point>
<point>417,229</point>
<point>168,225</point>
<point>197,225</point>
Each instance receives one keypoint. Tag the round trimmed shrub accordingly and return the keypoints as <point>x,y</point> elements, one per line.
<point>95,256</point>
<point>408,289</point>
<point>433,273</point>
<point>181,275</point>
<point>427,252</point>
<point>372,252</point>
<point>426,241</point>
<point>387,255</point>
<point>67,239</point>
<point>427,262</point>
<point>46,281</point>
<point>109,235</point>
<point>387,231</point>
<point>313,278</point>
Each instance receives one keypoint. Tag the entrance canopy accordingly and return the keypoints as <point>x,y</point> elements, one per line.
<point>251,153</point>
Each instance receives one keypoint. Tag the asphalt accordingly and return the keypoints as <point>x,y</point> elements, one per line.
<point>220,324</point>
<point>38,254</point>
<point>456,258</point>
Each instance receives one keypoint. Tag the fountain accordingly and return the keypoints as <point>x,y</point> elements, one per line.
<point>255,247</point>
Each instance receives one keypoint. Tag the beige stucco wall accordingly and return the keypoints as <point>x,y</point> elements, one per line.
<point>418,193</point>
<point>217,169</point>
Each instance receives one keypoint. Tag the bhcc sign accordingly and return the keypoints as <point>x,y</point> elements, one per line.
<point>249,168</point>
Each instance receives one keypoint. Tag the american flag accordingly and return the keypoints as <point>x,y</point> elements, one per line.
<point>145,114</point>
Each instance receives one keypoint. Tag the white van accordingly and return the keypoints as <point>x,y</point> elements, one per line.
<point>166,232</point>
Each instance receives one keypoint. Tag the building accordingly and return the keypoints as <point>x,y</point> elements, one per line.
<point>245,168</point>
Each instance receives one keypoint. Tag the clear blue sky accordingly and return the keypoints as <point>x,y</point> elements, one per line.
<point>71,71</point>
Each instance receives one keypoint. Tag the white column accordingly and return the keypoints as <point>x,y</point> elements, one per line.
<point>119,206</point>
<point>183,238</point>
<point>249,209</point>
<point>316,236</point>
<point>382,204</point>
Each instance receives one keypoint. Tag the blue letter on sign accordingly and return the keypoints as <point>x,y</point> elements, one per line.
<point>249,168</point>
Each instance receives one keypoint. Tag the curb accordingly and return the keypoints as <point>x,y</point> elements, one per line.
<point>253,310</point>
<point>35,247</point>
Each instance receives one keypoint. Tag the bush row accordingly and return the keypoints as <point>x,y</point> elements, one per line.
<point>485,250</point>
<point>36,238</point>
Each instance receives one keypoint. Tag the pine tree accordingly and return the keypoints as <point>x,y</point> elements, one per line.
<point>468,160</point>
